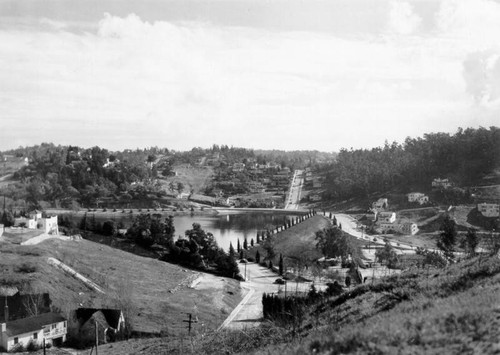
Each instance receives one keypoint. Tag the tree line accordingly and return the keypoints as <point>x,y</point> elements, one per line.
<point>464,157</point>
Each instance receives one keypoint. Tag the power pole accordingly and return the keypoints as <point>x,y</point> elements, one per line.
<point>96,338</point>
<point>190,321</point>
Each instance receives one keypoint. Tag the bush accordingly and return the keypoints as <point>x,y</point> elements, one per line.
<point>26,268</point>
<point>32,346</point>
<point>251,259</point>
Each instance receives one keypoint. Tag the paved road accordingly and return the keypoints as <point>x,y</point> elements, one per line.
<point>349,225</point>
<point>293,199</point>
<point>249,312</point>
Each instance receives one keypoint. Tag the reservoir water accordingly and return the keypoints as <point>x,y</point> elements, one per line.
<point>231,227</point>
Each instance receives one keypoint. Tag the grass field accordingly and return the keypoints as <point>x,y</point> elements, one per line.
<point>154,294</point>
<point>193,178</point>
<point>297,242</point>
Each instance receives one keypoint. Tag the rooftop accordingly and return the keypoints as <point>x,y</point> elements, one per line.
<point>26,325</point>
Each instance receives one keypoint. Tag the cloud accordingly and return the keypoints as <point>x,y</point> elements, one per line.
<point>482,76</point>
<point>402,19</point>
<point>474,22</point>
<point>132,82</point>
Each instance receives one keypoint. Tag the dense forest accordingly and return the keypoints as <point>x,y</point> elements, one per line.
<point>467,158</point>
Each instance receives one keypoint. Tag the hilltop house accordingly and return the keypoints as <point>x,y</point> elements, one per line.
<point>380,204</point>
<point>49,326</point>
<point>36,221</point>
<point>488,209</point>
<point>418,197</point>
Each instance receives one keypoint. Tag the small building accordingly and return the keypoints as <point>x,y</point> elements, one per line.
<point>441,183</point>
<point>315,198</point>
<point>238,167</point>
<point>317,184</point>
<point>25,222</point>
<point>49,326</point>
<point>488,209</point>
<point>380,204</point>
<point>385,227</point>
<point>36,221</point>
<point>408,228</point>
<point>418,197</point>
<point>386,217</point>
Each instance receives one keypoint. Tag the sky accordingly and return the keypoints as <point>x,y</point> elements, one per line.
<point>264,74</point>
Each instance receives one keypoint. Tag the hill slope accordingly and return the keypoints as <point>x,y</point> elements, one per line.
<point>154,294</point>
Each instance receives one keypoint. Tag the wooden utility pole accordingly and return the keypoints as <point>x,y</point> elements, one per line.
<point>190,321</point>
<point>96,338</point>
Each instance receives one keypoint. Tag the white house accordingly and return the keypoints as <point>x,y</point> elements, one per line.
<point>441,183</point>
<point>49,326</point>
<point>36,221</point>
<point>386,217</point>
<point>381,203</point>
<point>238,167</point>
<point>29,223</point>
<point>315,198</point>
<point>417,197</point>
<point>488,209</point>
<point>408,228</point>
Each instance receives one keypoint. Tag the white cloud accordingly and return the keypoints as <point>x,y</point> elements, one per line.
<point>136,83</point>
<point>402,19</point>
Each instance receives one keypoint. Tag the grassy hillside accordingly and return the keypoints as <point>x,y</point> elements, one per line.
<point>155,294</point>
<point>442,311</point>
<point>297,241</point>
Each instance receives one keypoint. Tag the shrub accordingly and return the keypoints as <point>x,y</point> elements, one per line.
<point>32,346</point>
<point>26,268</point>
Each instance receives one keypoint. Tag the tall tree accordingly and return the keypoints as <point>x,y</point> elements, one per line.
<point>333,243</point>
<point>281,264</point>
<point>447,237</point>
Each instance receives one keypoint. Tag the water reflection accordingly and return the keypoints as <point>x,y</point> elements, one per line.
<point>230,228</point>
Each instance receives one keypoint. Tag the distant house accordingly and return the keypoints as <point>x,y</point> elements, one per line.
<point>385,227</point>
<point>441,183</point>
<point>380,204</point>
<point>36,221</point>
<point>488,209</point>
<point>418,197</point>
<point>408,228</point>
<point>317,184</point>
<point>110,322</point>
<point>49,326</point>
<point>386,217</point>
<point>238,167</point>
<point>315,198</point>
<point>183,195</point>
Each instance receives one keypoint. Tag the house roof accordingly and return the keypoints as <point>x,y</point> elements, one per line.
<point>31,324</point>
<point>111,317</point>
<point>386,214</point>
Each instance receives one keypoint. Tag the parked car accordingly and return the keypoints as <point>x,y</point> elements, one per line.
<point>279,281</point>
